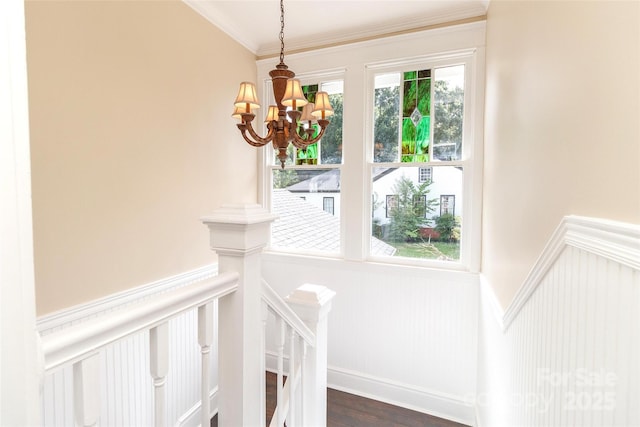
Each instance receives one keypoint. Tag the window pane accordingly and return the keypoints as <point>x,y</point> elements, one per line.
<point>448,113</point>
<point>331,143</point>
<point>300,197</point>
<point>386,114</point>
<point>408,217</point>
<point>329,149</point>
<point>416,120</point>
<point>327,204</point>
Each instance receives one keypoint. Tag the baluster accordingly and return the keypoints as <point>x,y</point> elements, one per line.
<point>205,339</point>
<point>86,391</point>
<point>159,358</point>
<point>303,356</point>
<point>279,400</point>
<point>292,379</point>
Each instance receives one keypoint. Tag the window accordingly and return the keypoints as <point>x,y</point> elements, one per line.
<point>424,174</point>
<point>327,204</point>
<point>305,195</point>
<point>420,205</point>
<point>417,126</point>
<point>412,134</point>
<point>392,203</point>
<point>447,205</point>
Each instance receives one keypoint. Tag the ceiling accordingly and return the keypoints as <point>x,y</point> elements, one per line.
<point>310,24</point>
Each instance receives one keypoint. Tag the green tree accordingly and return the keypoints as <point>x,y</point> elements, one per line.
<point>331,143</point>
<point>386,116</point>
<point>448,226</point>
<point>282,178</point>
<point>448,115</point>
<point>410,210</point>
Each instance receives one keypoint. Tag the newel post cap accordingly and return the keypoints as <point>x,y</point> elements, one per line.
<point>239,227</point>
<point>311,302</point>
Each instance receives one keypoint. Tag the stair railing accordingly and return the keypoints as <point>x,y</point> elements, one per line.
<point>238,234</point>
<point>80,344</point>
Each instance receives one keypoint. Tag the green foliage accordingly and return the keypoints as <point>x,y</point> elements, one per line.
<point>386,114</point>
<point>376,227</point>
<point>331,150</point>
<point>448,226</point>
<point>448,121</point>
<point>409,212</point>
<point>282,178</point>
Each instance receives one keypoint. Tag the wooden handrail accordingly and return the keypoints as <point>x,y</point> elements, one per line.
<point>76,342</point>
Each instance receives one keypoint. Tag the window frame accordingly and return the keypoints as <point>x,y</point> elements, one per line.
<point>391,201</point>
<point>267,165</point>
<point>454,204</point>
<point>469,243</point>
<point>325,199</point>
<point>430,178</point>
<point>354,63</point>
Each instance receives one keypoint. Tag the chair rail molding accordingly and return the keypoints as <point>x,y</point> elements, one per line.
<point>613,240</point>
<point>565,350</point>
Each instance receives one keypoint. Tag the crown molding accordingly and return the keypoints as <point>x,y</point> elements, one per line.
<point>212,14</point>
<point>370,32</point>
<point>269,48</point>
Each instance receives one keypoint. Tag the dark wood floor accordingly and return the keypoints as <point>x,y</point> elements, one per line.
<point>348,410</point>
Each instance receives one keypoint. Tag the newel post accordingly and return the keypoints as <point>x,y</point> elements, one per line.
<point>238,233</point>
<point>313,303</point>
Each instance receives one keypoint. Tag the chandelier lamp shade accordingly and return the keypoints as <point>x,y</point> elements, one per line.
<point>286,124</point>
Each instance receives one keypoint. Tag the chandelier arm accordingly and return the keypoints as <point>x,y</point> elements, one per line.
<point>259,142</point>
<point>300,142</point>
<point>267,139</point>
<point>299,145</point>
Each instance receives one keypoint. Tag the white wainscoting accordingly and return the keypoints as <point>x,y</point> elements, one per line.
<point>398,334</point>
<point>567,351</point>
<point>126,385</point>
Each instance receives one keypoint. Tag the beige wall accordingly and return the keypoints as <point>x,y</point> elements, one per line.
<point>561,128</point>
<point>132,141</point>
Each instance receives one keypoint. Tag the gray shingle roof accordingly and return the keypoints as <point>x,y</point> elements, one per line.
<point>304,226</point>
<point>329,182</point>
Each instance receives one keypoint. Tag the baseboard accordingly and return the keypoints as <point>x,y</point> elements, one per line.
<point>271,362</point>
<point>192,417</point>
<point>407,396</point>
<point>442,405</point>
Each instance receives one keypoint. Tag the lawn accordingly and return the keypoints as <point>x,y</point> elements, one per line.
<point>434,250</point>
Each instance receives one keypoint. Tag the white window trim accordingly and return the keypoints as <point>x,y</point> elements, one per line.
<point>356,63</point>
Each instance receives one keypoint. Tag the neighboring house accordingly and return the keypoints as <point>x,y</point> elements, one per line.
<point>323,190</point>
<point>304,225</point>
<point>445,188</point>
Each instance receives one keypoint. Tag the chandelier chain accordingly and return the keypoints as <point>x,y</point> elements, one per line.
<point>282,31</point>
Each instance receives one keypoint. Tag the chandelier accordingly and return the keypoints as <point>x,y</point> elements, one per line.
<point>285,123</point>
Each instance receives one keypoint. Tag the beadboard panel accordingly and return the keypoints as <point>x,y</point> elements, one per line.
<point>569,354</point>
<point>397,334</point>
<point>126,386</point>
